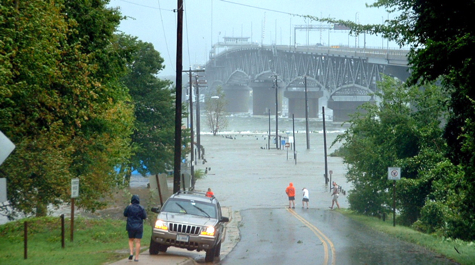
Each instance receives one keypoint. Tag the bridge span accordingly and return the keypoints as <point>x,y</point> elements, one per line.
<point>254,77</point>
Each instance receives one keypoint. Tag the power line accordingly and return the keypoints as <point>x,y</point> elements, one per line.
<point>266,9</point>
<point>133,3</point>
<point>165,35</point>
<point>187,34</point>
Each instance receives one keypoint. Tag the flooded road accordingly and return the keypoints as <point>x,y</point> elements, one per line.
<point>251,180</point>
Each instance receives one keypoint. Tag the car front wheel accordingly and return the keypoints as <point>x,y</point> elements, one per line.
<point>154,247</point>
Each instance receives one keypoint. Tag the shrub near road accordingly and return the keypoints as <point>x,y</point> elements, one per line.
<point>96,241</point>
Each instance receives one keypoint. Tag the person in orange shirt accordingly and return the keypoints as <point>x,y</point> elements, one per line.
<point>209,193</point>
<point>290,190</point>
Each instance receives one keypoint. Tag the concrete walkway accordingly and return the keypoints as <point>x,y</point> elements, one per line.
<point>179,256</point>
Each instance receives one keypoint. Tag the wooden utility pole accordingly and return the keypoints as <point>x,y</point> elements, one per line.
<point>306,112</point>
<point>179,48</point>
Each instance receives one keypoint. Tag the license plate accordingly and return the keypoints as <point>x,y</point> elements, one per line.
<point>182,238</point>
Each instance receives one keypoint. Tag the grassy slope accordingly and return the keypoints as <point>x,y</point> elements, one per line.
<point>443,246</point>
<point>96,241</point>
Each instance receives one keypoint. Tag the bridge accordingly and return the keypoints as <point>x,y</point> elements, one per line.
<point>257,77</point>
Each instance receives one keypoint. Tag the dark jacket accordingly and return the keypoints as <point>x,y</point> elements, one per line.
<point>135,214</point>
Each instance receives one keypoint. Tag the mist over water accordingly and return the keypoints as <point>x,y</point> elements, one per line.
<point>258,124</point>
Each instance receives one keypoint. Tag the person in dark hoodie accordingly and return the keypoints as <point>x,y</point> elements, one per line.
<point>135,214</point>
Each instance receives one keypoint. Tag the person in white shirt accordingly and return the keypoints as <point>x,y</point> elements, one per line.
<point>335,196</point>
<point>305,198</point>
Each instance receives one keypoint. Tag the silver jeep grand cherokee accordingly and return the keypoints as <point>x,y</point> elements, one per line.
<point>189,220</point>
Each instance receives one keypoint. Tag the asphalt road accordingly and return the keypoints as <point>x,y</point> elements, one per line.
<point>252,180</point>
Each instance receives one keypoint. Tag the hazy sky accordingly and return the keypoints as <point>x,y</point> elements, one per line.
<point>264,21</point>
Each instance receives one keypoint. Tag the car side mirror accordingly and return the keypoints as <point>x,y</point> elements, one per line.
<point>224,219</point>
<point>155,209</point>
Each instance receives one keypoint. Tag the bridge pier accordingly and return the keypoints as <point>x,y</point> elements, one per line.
<point>238,97</point>
<point>297,103</point>
<point>263,98</point>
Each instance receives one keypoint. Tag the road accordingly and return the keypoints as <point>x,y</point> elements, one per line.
<point>251,181</point>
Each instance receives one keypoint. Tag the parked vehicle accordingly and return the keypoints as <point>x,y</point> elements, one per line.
<point>189,220</point>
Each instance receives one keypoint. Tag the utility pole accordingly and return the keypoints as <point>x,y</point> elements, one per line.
<point>192,148</point>
<point>306,112</point>
<point>276,116</point>
<point>179,49</point>
<point>325,146</point>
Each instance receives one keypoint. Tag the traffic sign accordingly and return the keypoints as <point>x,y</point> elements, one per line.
<point>287,145</point>
<point>394,173</point>
<point>6,147</point>
<point>75,188</point>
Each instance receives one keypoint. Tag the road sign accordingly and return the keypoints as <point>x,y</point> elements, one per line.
<point>75,188</point>
<point>287,145</point>
<point>6,147</point>
<point>3,189</point>
<point>394,173</point>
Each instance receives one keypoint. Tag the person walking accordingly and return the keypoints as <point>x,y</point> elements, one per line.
<point>135,214</point>
<point>335,196</point>
<point>290,191</point>
<point>305,197</point>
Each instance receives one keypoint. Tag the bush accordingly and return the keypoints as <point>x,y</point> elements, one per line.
<point>433,217</point>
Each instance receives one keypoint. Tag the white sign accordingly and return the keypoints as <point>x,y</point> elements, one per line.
<point>394,173</point>
<point>291,139</point>
<point>6,147</point>
<point>75,188</point>
<point>3,189</point>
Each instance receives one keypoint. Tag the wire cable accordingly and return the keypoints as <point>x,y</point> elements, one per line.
<point>187,34</point>
<point>165,35</point>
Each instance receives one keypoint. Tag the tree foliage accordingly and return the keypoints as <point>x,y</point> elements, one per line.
<point>403,130</point>
<point>61,102</point>
<point>215,110</point>
<point>153,137</point>
<point>441,35</point>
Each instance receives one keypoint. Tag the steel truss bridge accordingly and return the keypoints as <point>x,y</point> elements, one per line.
<point>255,78</point>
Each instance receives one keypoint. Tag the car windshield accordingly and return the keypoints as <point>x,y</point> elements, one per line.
<point>190,207</point>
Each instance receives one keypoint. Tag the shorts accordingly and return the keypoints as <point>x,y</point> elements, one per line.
<point>335,197</point>
<point>305,199</point>
<point>291,198</point>
<point>135,233</point>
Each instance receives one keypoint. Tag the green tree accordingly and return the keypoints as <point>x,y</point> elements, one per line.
<point>67,118</point>
<point>153,137</point>
<point>442,40</point>
<point>403,130</point>
<point>215,110</point>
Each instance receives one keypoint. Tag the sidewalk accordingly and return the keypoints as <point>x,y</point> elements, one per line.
<point>185,257</point>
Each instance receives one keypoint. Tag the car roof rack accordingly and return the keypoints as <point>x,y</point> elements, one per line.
<point>192,192</point>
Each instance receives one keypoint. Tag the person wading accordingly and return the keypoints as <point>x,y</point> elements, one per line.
<point>290,191</point>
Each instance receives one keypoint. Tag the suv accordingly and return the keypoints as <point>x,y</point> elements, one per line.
<point>189,220</point>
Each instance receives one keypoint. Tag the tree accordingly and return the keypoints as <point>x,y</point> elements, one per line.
<point>403,130</point>
<point>63,110</point>
<point>153,100</point>
<point>442,39</point>
<point>215,110</point>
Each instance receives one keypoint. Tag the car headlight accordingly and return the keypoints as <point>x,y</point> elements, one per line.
<point>159,224</point>
<point>208,231</point>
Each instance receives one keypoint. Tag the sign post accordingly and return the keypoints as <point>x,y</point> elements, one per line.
<point>394,173</point>
<point>74,194</point>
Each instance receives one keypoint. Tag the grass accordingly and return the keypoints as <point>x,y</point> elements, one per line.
<point>96,241</point>
<point>441,245</point>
